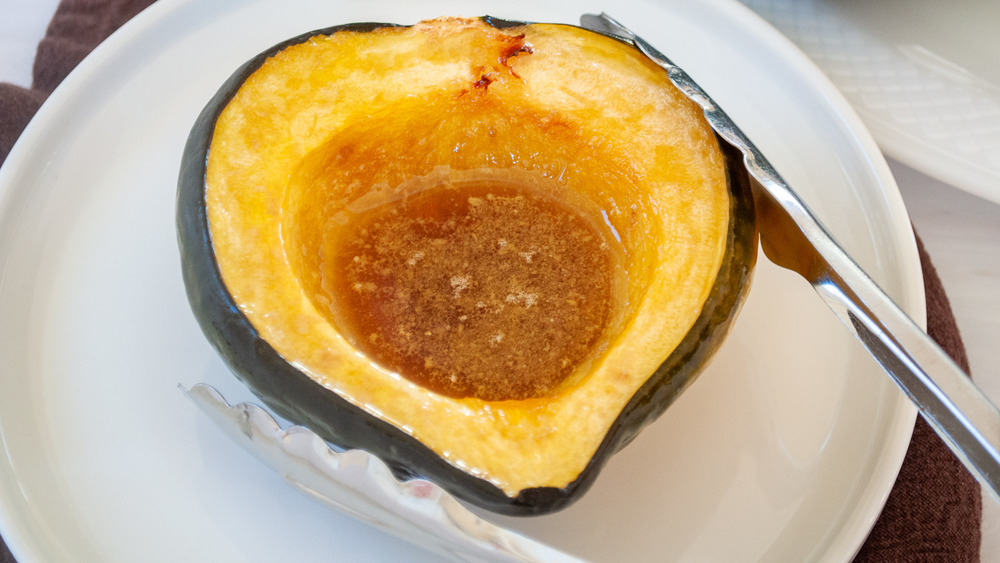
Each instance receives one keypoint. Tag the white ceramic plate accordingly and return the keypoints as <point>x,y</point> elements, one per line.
<point>922,74</point>
<point>784,450</point>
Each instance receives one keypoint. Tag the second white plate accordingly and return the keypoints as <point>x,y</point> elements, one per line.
<point>922,74</point>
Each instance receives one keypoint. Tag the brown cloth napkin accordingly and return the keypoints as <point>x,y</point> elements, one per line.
<point>934,510</point>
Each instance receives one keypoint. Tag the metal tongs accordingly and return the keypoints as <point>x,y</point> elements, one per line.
<point>794,239</point>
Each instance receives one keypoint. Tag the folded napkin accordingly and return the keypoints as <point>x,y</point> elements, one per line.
<point>934,510</point>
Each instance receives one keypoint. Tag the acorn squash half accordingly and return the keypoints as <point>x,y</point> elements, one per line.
<point>586,245</point>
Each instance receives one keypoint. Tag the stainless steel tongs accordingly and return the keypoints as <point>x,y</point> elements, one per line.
<point>794,239</point>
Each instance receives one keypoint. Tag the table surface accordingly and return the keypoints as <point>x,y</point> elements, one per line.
<point>960,231</point>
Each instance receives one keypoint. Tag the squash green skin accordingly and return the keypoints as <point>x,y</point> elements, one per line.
<point>296,397</point>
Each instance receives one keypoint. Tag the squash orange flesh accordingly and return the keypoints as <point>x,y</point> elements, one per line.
<point>328,122</point>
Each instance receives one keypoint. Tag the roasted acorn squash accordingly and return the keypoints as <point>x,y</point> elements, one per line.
<point>588,243</point>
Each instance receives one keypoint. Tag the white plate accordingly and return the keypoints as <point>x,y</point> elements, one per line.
<point>784,450</point>
<point>922,74</point>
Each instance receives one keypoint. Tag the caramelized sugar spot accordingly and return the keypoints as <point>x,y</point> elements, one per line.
<point>481,289</point>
